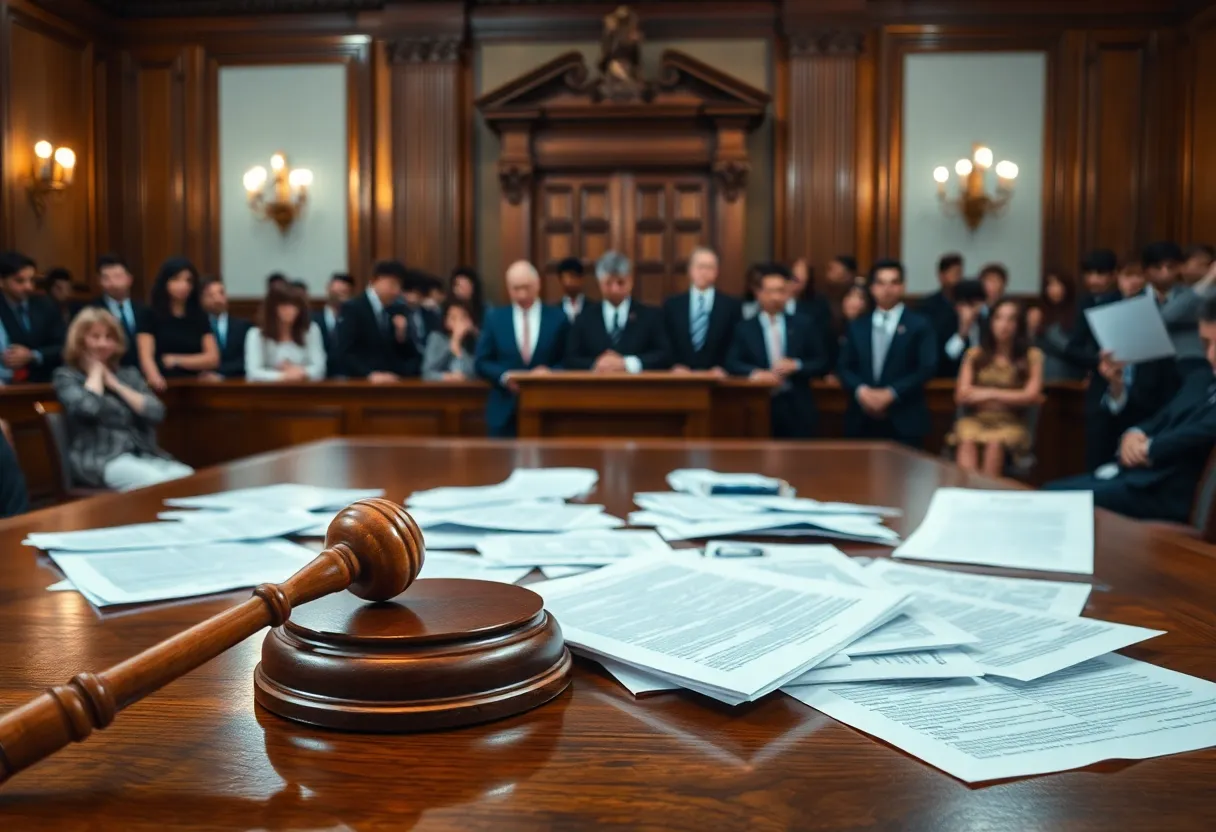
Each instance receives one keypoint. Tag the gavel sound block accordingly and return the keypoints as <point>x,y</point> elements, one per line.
<point>447,653</point>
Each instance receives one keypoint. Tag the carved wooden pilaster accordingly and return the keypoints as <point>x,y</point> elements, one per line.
<point>424,50</point>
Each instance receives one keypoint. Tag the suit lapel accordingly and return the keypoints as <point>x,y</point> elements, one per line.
<point>717,319</point>
<point>893,349</point>
<point>865,349</point>
<point>596,314</point>
<point>683,324</point>
<point>755,331</point>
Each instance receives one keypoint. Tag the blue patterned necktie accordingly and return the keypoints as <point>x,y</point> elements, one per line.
<point>616,326</point>
<point>700,323</point>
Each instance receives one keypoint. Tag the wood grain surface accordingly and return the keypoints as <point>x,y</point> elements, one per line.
<point>200,755</point>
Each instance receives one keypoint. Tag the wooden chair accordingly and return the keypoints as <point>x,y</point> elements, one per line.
<point>55,437</point>
<point>1202,526</point>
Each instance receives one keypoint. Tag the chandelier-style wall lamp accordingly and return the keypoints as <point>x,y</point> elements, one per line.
<point>973,201</point>
<point>288,191</point>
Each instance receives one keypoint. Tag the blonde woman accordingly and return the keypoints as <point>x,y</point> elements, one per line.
<point>110,410</point>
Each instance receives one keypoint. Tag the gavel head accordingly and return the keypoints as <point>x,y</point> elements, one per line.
<point>386,542</point>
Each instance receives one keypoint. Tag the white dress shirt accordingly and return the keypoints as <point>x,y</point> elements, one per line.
<point>123,311</point>
<point>264,356</point>
<point>219,323</point>
<point>696,297</point>
<point>573,307</point>
<point>768,323</point>
<point>331,319</point>
<point>377,305</point>
<point>886,322</point>
<point>613,314</point>
<point>956,346</point>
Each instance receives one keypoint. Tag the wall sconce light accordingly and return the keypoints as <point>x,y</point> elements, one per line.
<point>289,191</point>
<point>53,170</point>
<point>973,201</point>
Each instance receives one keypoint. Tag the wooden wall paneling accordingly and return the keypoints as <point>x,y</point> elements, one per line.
<point>821,217</point>
<point>384,227</point>
<point>429,116</point>
<point>355,53</point>
<point>515,172</point>
<point>895,44</point>
<point>1198,164</point>
<point>866,154</point>
<point>730,170</point>
<point>50,66</point>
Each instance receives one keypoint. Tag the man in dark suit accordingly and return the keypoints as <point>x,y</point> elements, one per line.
<point>229,331</point>
<point>373,330</point>
<point>783,349</point>
<point>31,328</point>
<point>523,337</point>
<point>939,309</point>
<point>617,335</point>
<point>1149,386</point>
<point>885,362</point>
<point>1161,460</point>
<point>341,287</point>
<point>570,275</point>
<point>115,281</point>
<point>701,322</point>
<point>423,320</point>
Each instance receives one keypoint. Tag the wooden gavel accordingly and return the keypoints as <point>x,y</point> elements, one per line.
<point>373,548</point>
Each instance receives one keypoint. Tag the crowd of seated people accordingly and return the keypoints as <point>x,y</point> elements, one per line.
<point>786,330</point>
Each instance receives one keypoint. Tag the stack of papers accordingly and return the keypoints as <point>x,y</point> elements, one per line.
<point>215,527</point>
<point>1049,531</point>
<point>573,549</point>
<point>689,517</point>
<point>728,631</point>
<point>524,484</point>
<point>278,497</point>
<point>702,482</point>
<point>985,677</point>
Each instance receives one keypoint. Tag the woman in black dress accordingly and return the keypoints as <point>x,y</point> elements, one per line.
<point>176,338</point>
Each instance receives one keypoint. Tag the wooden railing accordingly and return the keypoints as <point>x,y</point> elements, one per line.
<point>211,423</point>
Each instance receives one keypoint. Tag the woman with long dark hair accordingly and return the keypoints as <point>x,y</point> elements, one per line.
<point>176,339</point>
<point>449,354</point>
<point>465,286</point>
<point>1050,324</point>
<point>286,345</point>
<point>997,382</point>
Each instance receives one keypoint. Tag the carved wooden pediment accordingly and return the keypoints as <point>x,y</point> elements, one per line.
<point>565,89</point>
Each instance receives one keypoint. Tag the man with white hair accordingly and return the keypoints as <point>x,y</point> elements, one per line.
<point>701,321</point>
<point>526,336</point>
<point>617,335</point>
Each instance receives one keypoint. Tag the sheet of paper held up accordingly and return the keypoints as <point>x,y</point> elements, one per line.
<point>1109,708</point>
<point>279,497</point>
<point>650,613</point>
<point>523,483</point>
<point>1132,329</point>
<point>143,576</point>
<point>234,525</point>
<point>1057,598</point>
<point>577,548</point>
<point>1050,531</point>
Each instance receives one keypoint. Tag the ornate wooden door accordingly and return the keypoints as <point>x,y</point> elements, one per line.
<point>656,220</point>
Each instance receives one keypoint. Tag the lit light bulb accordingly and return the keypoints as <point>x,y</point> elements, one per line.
<point>983,157</point>
<point>941,175</point>
<point>66,158</point>
<point>300,178</point>
<point>43,150</point>
<point>255,179</point>
<point>963,167</point>
<point>277,162</point>
<point>1007,170</point>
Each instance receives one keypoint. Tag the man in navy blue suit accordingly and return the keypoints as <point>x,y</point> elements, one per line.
<point>887,358</point>
<point>1160,461</point>
<point>783,349</point>
<point>525,336</point>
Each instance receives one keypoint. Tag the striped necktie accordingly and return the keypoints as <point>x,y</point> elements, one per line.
<point>617,327</point>
<point>700,323</point>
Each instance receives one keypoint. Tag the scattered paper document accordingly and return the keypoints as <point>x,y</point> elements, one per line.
<point>639,682</point>
<point>1132,329</point>
<point>1051,531</point>
<point>1109,708</point>
<point>233,526</point>
<point>279,497</point>
<point>931,664</point>
<point>913,629</point>
<point>142,576</point>
<point>524,483</point>
<point>516,517</point>
<point>1052,597</point>
<point>1024,645</point>
<point>848,527</point>
<point>554,572</point>
<point>765,629</point>
<point>579,548</point>
<point>444,565</point>
<point>705,482</point>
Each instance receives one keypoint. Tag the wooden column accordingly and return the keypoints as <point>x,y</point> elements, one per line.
<point>821,182</point>
<point>731,169</point>
<point>427,142</point>
<point>515,177</point>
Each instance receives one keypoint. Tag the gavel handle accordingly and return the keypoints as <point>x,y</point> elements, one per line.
<point>70,713</point>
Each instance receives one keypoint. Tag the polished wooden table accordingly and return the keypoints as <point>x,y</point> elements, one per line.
<point>658,404</point>
<point>200,755</point>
